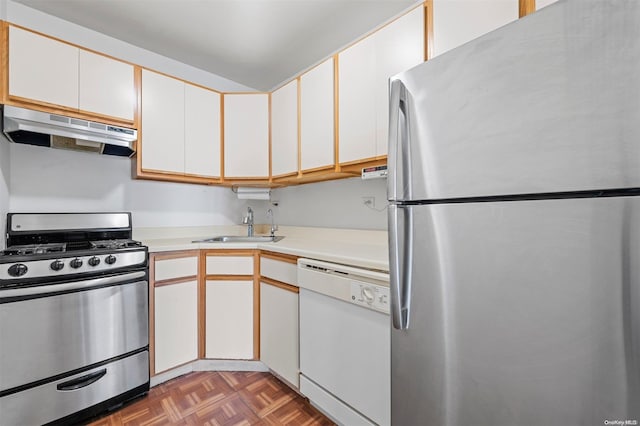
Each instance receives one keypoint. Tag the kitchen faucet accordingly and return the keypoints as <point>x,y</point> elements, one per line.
<point>248,220</point>
<point>274,227</point>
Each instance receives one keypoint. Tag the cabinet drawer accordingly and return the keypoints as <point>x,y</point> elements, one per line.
<point>176,268</point>
<point>229,265</point>
<point>280,271</point>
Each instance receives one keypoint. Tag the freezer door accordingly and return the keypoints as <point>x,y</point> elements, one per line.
<point>522,313</point>
<point>528,108</point>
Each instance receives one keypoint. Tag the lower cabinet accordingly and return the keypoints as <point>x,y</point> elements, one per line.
<point>279,330</point>
<point>173,309</point>
<point>231,300</point>
<point>176,324</point>
<point>229,319</point>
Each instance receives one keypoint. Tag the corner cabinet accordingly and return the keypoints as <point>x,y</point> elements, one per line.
<point>284,130</point>
<point>246,136</point>
<point>173,309</point>
<point>231,325</point>
<point>71,80</point>
<point>180,132</point>
<point>364,70</point>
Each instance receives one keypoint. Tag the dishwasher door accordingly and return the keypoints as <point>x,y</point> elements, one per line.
<point>344,346</point>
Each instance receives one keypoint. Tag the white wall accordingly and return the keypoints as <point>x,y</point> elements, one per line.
<point>22,15</point>
<point>334,204</point>
<point>52,180</point>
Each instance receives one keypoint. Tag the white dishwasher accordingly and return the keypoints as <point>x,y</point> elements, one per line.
<point>345,341</point>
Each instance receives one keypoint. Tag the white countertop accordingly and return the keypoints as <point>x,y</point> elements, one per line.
<point>362,248</point>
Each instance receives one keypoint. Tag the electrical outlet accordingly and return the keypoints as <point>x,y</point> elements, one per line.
<point>369,201</point>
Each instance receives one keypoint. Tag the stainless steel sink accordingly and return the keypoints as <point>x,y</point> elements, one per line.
<point>241,239</point>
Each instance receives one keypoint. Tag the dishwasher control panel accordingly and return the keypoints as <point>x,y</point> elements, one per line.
<point>370,295</point>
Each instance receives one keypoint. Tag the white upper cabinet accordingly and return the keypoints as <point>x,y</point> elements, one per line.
<point>364,70</point>
<point>316,121</point>
<point>284,129</point>
<point>48,71</point>
<point>180,127</point>
<point>106,86</point>
<point>457,22</point>
<point>42,69</point>
<point>202,131</point>
<point>162,123</point>
<point>246,135</point>
<point>357,101</point>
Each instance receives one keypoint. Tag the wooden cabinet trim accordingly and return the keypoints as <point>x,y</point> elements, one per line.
<point>428,29</point>
<point>174,254</point>
<point>174,281</point>
<point>289,258</point>
<point>256,305</point>
<point>202,305</point>
<point>526,7</point>
<point>283,286</point>
<point>227,277</point>
<point>230,252</point>
<point>4,61</point>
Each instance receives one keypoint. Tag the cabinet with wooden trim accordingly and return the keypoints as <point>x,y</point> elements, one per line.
<point>72,79</point>
<point>173,309</point>
<point>284,130</point>
<point>231,328</point>
<point>279,342</point>
<point>180,131</point>
<point>457,22</point>
<point>364,70</point>
<point>317,138</point>
<point>246,136</point>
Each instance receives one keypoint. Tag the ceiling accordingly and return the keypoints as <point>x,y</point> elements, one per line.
<point>258,43</point>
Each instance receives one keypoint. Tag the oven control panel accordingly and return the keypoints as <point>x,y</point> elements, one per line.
<point>70,265</point>
<point>370,295</point>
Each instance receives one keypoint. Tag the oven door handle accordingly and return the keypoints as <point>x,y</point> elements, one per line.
<point>81,382</point>
<point>76,285</point>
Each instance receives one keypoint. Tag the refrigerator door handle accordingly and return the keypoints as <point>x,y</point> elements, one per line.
<point>399,177</point>
<point>400,261</point>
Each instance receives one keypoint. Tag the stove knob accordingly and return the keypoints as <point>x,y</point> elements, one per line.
<point>75,263</point>
<point>110,260</point>
<point>57,265</point>
<point>94,261</point>
<point>18,270</point>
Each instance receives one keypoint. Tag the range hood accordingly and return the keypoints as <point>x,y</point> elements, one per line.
<point>26,126</point>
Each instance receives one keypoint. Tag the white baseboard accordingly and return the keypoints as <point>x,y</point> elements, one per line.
<point>208,365</point>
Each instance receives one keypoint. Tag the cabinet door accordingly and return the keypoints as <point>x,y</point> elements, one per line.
<point>316,122</point>
<point>284,130</point>
<point>246,135</point>
<point>279,331</point>
<point>176,325</point>
<point>399,46</point>
<point>457,22</point>
<point>544,3</point>
<point>162,123</point>
<point>229,319</point>
<point>357,81</point>
<point>202,131</point>
<point>106,86</point>
<point>42,69</point>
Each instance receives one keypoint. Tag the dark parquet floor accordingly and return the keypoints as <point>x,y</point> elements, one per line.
<point>218,398</point>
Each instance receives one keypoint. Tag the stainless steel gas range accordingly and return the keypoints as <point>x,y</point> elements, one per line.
<point>74,335</point>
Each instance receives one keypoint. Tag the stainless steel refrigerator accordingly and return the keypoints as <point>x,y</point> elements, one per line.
<point>514,225</point>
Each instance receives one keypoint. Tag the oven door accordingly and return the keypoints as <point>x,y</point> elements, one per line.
<point>50,330</point>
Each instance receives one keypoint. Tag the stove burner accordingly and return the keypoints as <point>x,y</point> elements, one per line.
<point>35,249</point>
<point>114,244</point>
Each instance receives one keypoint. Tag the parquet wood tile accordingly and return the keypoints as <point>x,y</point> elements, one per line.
<point>218,399</point>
